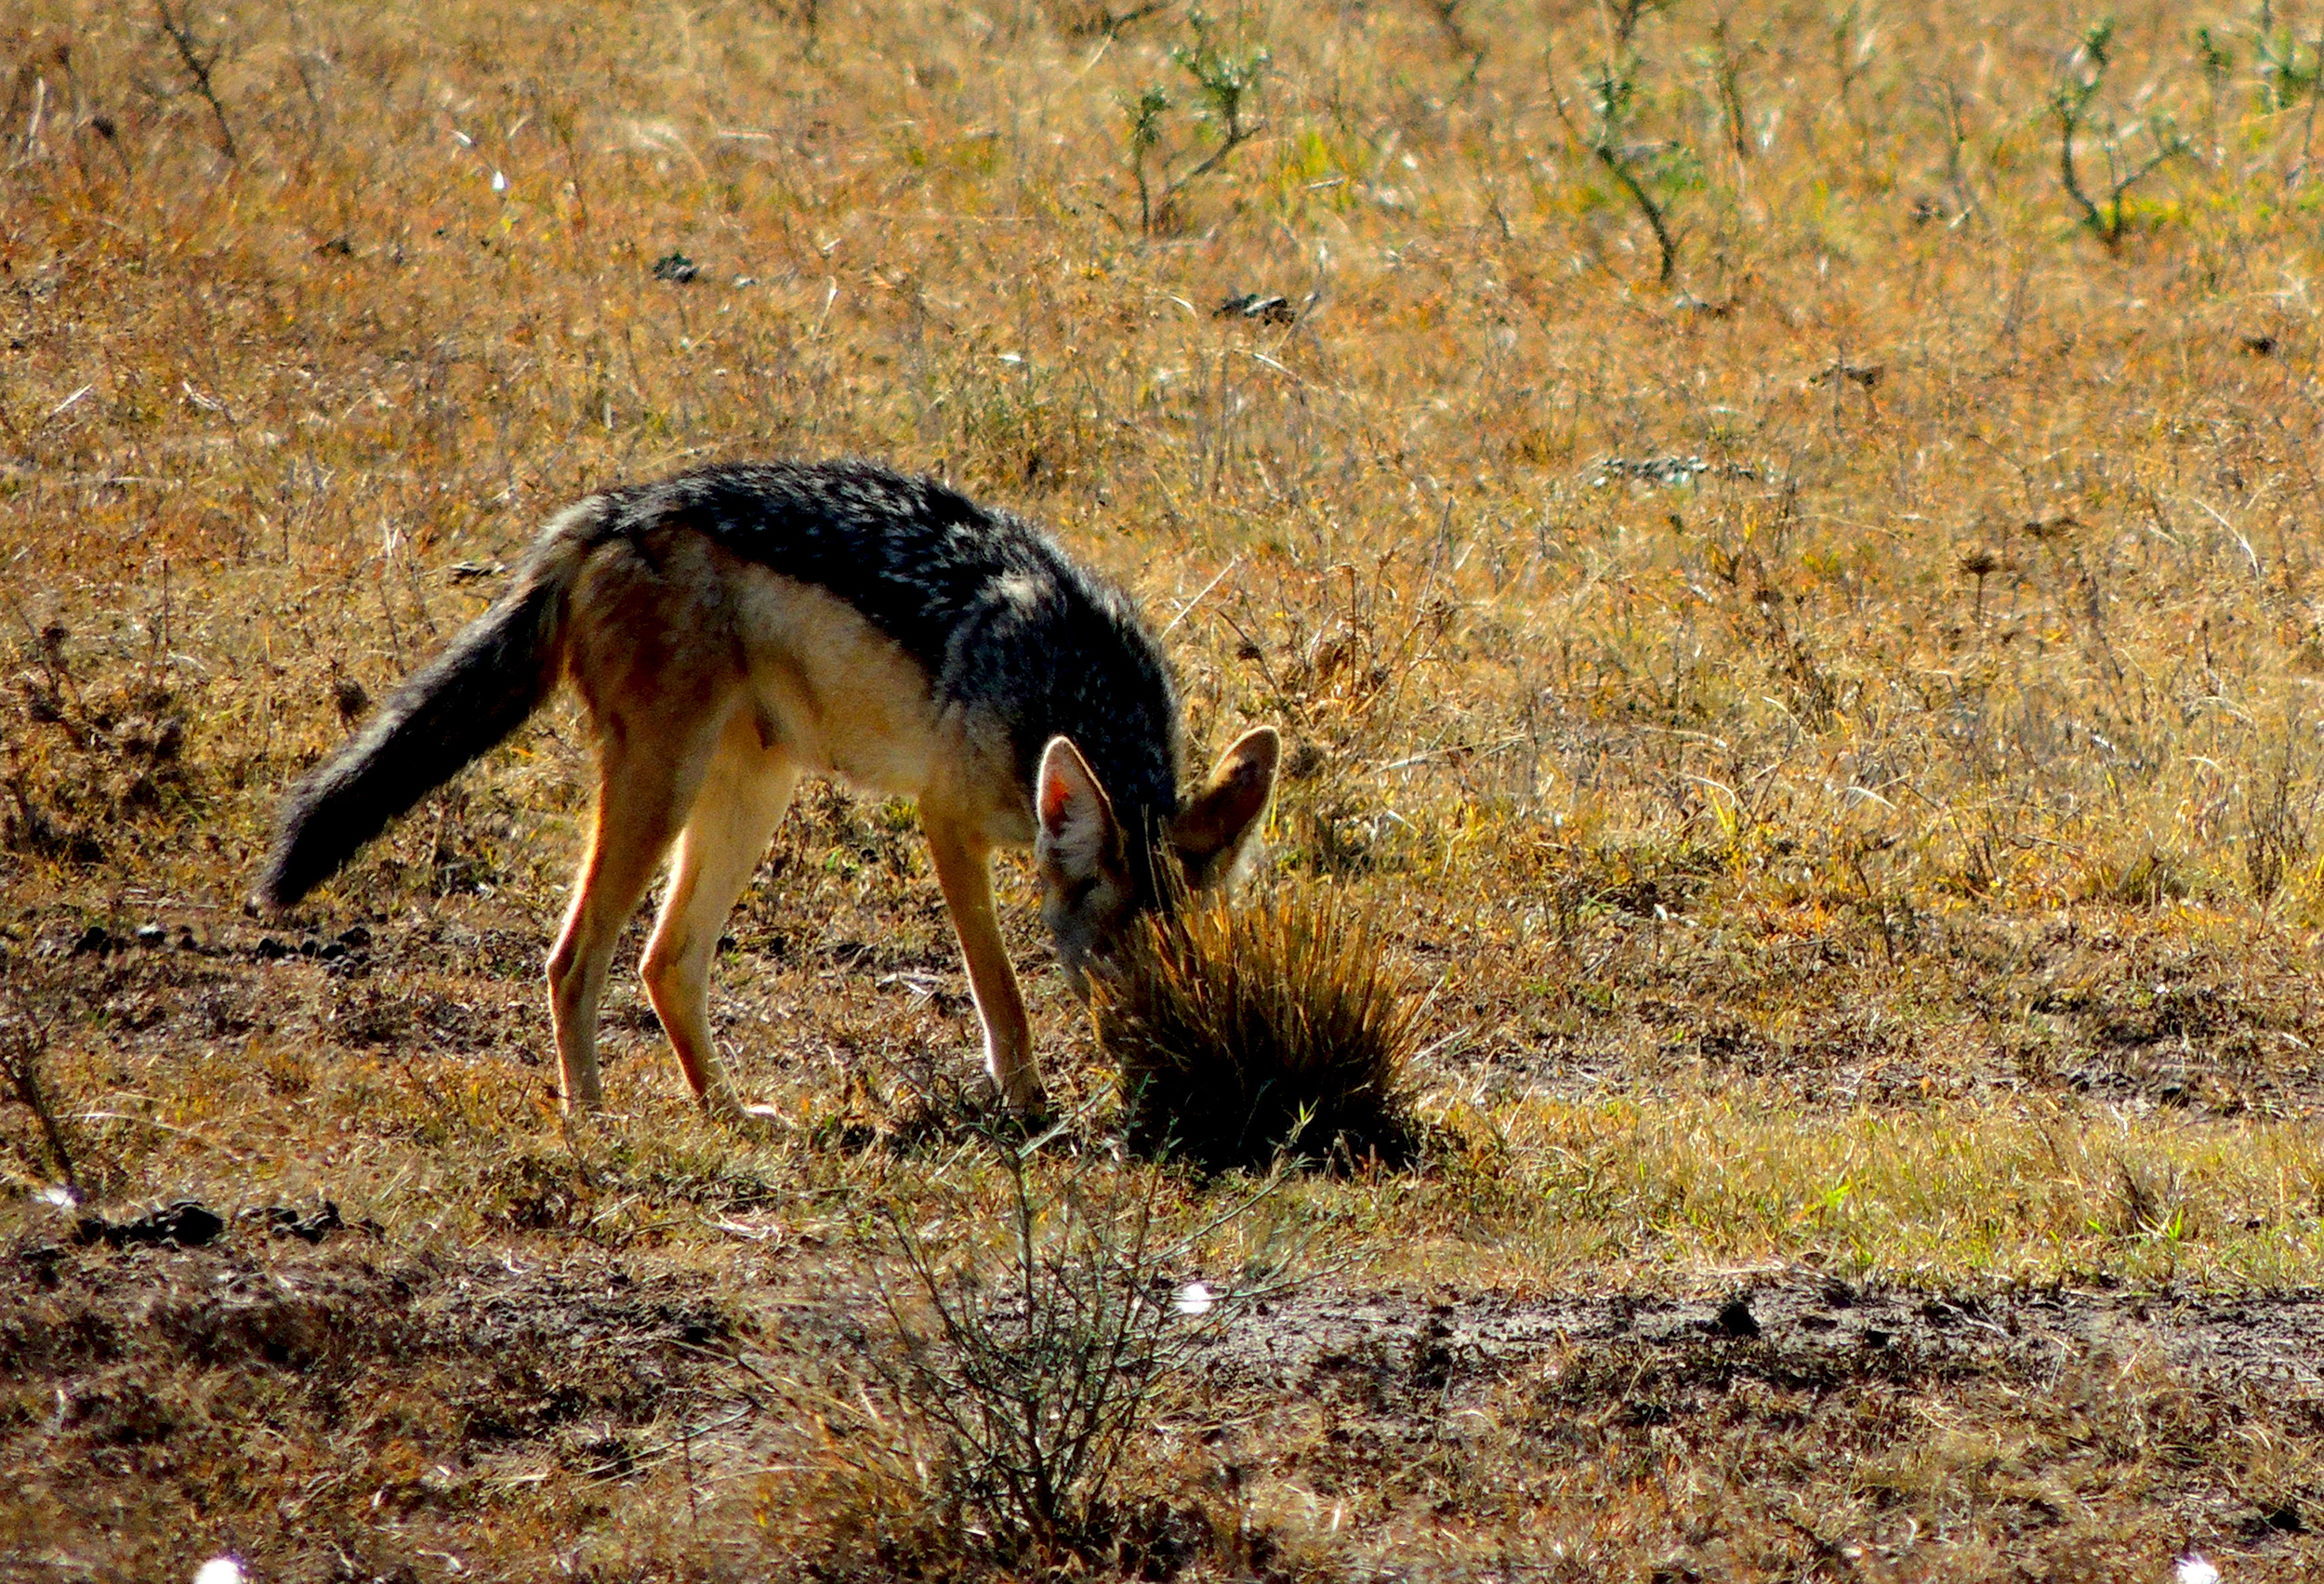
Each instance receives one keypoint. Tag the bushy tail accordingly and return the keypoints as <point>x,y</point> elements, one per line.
<point>447,714</point>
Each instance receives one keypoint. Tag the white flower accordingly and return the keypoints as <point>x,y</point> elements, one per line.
<point>1192,1299</point>
<point>500,182</point>
<point>2195,1568</point>
<point>221,1570</point>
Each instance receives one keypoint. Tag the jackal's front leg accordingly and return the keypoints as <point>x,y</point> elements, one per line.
<point>964,870</point>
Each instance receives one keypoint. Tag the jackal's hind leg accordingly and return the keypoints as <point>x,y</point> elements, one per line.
<point>742,797</point>
<point>646,781</point>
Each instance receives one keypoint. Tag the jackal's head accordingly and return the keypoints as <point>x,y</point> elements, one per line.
<point>1098,877</point>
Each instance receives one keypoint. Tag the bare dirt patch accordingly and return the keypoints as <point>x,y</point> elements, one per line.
<point>349,1409</point>
<point>1795,1423</point>
<point>343,1410</point>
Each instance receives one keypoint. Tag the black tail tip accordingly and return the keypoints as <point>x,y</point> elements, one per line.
<point>281,886</point>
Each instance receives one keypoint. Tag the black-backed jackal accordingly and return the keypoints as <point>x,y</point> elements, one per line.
<point>731,629</point>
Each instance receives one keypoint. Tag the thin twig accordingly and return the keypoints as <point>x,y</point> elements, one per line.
<point>180,31</point>
<point>1613,90</point>
<point>27,1042</point>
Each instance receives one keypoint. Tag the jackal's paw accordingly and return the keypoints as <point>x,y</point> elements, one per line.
<point>581,1102</point>
<point>723,1105</point>
<point>1027,1115</point>
<point>575,1113</point>
<point>764,1122</point>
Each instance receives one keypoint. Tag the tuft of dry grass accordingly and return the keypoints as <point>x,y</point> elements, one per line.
<point>1245,1033</point>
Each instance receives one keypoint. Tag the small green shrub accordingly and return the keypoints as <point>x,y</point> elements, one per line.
<point>1027,1368</point>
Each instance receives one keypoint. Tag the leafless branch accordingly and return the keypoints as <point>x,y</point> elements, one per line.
<point>179,25</point>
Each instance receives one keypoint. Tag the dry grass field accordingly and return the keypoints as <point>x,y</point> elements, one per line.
<point>1826,713</point>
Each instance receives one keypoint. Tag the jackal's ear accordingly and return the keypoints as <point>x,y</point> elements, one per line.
<point>1215,831</point>
<point>1078,837</point>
